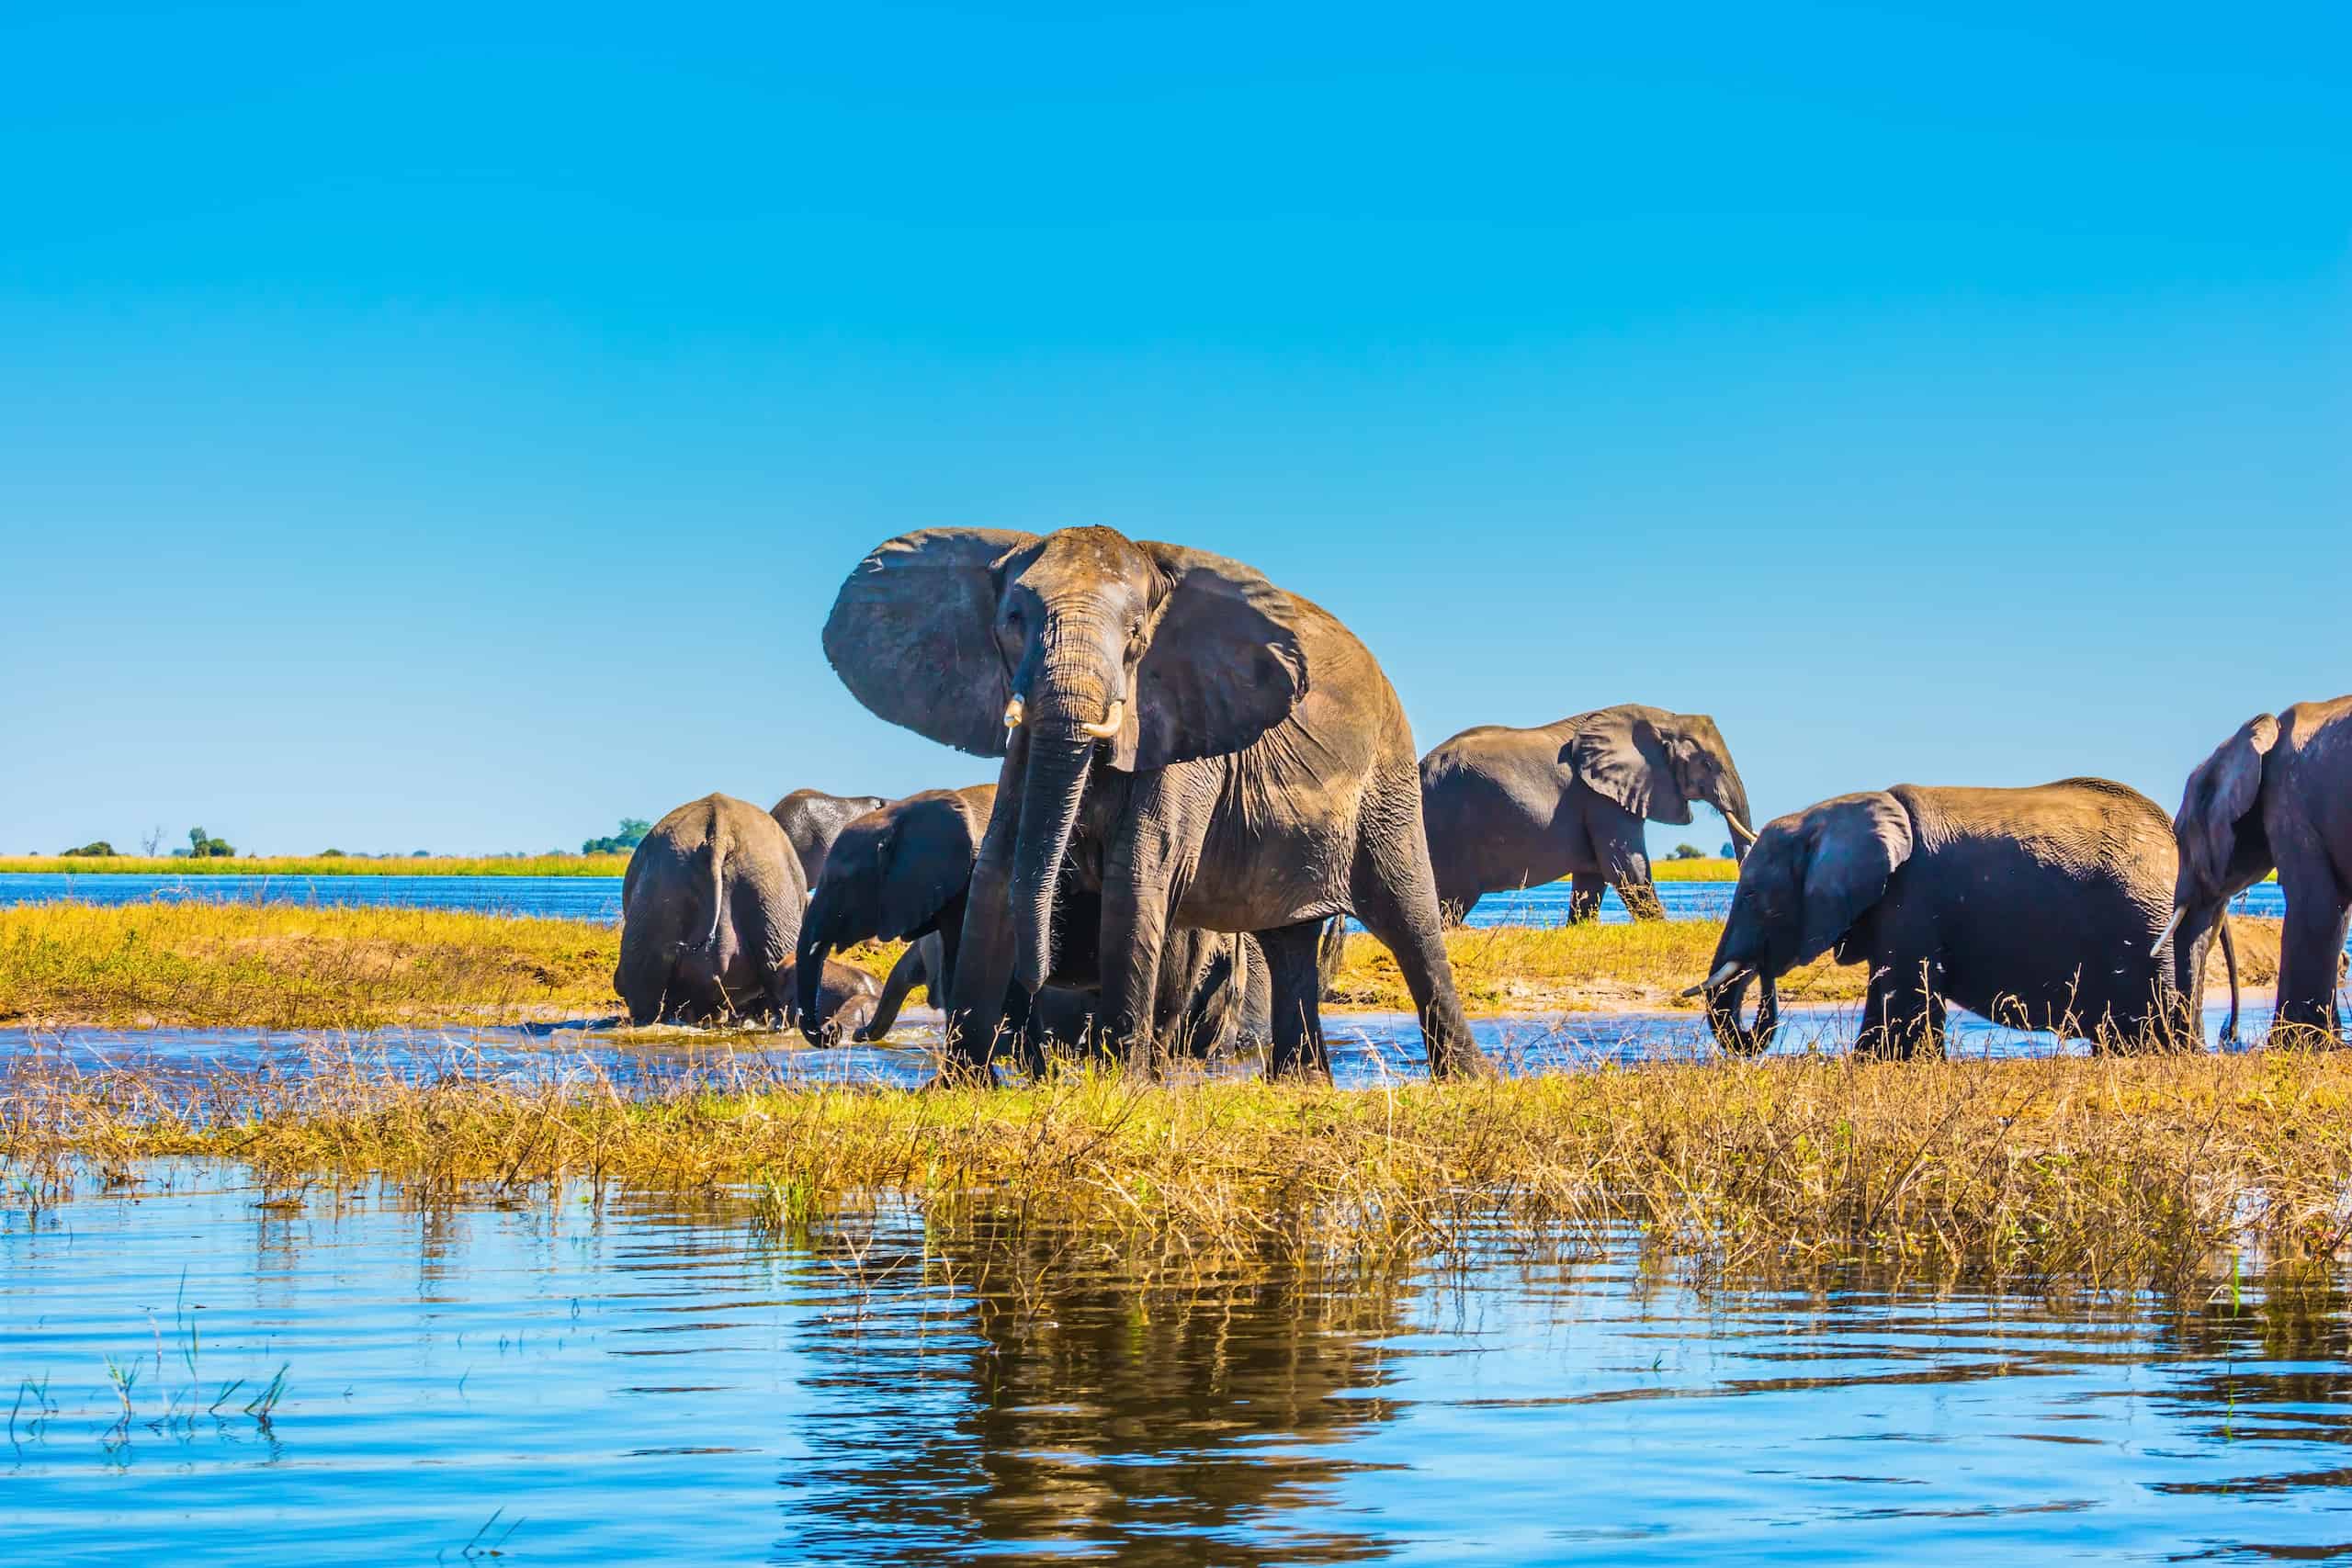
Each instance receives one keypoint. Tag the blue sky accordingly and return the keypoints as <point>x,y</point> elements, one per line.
<point>447,429</point>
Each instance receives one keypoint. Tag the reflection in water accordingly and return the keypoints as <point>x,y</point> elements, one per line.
<point>1066,1406</point>
<point>637,1380</point>
<point>1367,1049</point>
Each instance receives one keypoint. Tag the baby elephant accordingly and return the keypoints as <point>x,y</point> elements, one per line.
<point>710,915</point>
<point>2040,908</point>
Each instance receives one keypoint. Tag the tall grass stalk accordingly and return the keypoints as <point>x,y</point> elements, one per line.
<point>2106,1174</point>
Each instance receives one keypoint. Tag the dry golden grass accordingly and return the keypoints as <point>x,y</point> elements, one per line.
<point>245,965</point>
<point>1614,968</point>
<point>2104,1174</point>
<point>288,966</point>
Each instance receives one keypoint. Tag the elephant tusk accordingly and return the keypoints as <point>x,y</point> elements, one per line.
<point>1111,722</point>
<point>1720,978</point>
<point>1739,829</point>
<point>2171,926</point>
<point>1013,713</point>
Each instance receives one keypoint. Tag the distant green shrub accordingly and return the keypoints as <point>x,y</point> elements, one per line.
<point>97,849</point>
<point>202,845</point>
<point>632,833</point>
<point>1687,852</point>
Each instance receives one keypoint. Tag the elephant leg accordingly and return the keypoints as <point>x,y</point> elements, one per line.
<point>642,976</point>
<point>982,959</point>
<point>1902,1014</point>
<point>1398,905</point>
<point>1585,888</point>
<point>1625,864</point>
<point>913,969</point>
<point>1135,932</point>
<point>1292,977</point>
<point>2310,958</point>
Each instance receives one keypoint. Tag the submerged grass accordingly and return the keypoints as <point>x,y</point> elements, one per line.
<point>2106,1174</point>
<point>250,964</point>
<point>316,865</point>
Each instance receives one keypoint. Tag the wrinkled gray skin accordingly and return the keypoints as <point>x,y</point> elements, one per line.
<point>710,913</point>
<point>1202,749</point>
<point>903,872</point>
<point>2037,907</point>
<point>2276,795</point>
<point>811,819</point>
<point>1509,808</point>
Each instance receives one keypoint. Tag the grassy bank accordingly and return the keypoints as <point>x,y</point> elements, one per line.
<point>1707,869</point>
<point>315,865</point>
<point>287,966</point>
<point>2108,1173</point>
<point>483,866</point>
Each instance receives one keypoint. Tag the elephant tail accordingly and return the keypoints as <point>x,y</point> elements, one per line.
<point>718,889</point>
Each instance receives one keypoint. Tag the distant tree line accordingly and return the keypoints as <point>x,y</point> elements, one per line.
<point>632,833</point>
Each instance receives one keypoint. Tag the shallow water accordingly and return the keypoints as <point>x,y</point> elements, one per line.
<point>634,1381</point>
<point>599,898</point>
<point>1367,1049</point>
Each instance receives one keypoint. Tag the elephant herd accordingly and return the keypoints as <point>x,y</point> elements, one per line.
<point>1201,775</point>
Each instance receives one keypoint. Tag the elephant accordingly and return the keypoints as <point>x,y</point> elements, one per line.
<point>1509,809</point>
<point>2276,795</point>
<point>904,872</point>
<point>846,998</point>
<point>710,915</point>
<point>1199,747</point>
<point>2040,907</point>
<point>811,819</point>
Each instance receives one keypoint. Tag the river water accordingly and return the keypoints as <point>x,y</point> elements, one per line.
<point>599,898</point>
<point>620,1379</point>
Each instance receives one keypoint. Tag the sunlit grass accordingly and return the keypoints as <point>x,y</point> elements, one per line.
<point>2104,1173</point>
<point>317,865</point>
<point>246,964</point>
<point>1710,869</point>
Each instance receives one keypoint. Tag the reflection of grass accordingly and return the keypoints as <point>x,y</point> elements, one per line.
<point>288,966</point>
<point>2107,1173</point>
<point>320,866</point>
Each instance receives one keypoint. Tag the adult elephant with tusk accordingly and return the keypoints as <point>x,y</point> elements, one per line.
<point>2040,908</point>
<point>1205,749</point>
<point>1507,808</point>
<point>2275,795</point>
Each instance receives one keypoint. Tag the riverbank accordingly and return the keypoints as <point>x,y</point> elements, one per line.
<point>314,865</point>
<point>2097,1174</point>
<point>240,965</point>
<point>1709,870</point>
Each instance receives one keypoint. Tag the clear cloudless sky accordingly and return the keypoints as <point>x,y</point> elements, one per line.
<point>446,426</point>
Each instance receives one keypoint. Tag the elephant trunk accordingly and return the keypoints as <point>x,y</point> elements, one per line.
<point>2230,961</point>
<point>1054,785</point>
<point>1723,1016</point>
<point>809,967</point>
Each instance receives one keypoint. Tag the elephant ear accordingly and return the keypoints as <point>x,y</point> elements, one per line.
<point>912,635</point>
<point>2222,791</point>
<point>928,862</point>
<point>1620,753</point>
<point>1858,843</point>
<point>1225,665</point>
